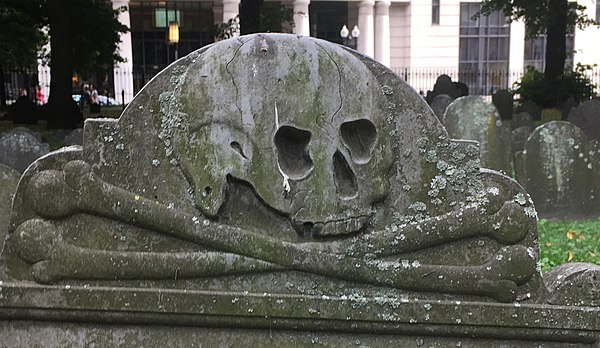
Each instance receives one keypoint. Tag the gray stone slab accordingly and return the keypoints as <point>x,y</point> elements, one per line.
<point>587,117</point>
<point>531,108</point>
<point>443,85</point>
<point>560,170</point>
<point>246,193</point>
<point>503,101</point>
<point>439,105</point>
<point>567,106</point>
<point>75,137</point>
<point>18,149</point>
<point>519,138</point>
<point>473,118</point>
<point>522,119</point>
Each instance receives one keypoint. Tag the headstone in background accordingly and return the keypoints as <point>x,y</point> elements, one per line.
<point>567,106</point>
<point>23,111</point>
<point>522,119</point>
<point>75,137</point>
<point>587,117</point>
<point>439,105</point>
<point>443,85</point>
<point>503,101</point>
<point>519,138</point>
<point>531,108</point>
<point>473,118</point>
<point>18,149</point>
<point>560,170</point>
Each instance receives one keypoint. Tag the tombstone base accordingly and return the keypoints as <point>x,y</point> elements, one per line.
<point>34,315</point>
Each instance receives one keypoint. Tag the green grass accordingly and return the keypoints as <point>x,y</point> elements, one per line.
<point>568,241</point>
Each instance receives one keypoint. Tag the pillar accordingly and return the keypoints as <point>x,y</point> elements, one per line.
<point>382,32</point>
<point>365,44</point>
<point>123,72</point>
<point>301,22</point>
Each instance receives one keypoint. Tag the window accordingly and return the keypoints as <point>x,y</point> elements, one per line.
<point>483,50</point>
<point>535,51</point>
<point>435,12</point>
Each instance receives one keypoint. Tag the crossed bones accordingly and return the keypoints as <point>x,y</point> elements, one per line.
<point>39,242</point>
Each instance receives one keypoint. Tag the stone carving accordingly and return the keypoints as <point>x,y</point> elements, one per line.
<point>522,119</point>
<point>324,179</point>
<point>574,284</point>
<point>439,105</point>
<point>473,118</point>
<point>587,117</point>
<point>503,101</point>
<point>18,149</point>
<point>559,168</point>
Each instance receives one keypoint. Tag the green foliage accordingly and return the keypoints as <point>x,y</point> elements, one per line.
<point>21,37</point>
<point>572,83</point>
<point>568,241</point>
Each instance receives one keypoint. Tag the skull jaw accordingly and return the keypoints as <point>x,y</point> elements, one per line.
<point>346,226</point>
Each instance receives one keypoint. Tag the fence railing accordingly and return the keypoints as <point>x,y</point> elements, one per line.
<point>481,82</point>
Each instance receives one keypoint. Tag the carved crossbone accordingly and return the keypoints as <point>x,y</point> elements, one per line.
<point>40,243</point>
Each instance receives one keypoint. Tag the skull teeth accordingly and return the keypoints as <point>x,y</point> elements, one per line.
<point>332,228</point>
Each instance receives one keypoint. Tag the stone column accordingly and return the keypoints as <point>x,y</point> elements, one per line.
<point>301,22</point>
<point>382,32</point>
<point>123,72</point>
<point>231,9</point>
<point>365,43</point>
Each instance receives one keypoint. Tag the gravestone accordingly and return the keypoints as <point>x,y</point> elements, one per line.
<point>559,168</point>
<point>75,137</point>
<point>503,101</point>
<point>439,105</point>
<point>567,106</point>
<point>443,85</point>
<point>245,195</point>
<point>9,179</point>
<point>473,118</point>
<point>522,119</point>
<point>519,138</point>
<point>37,135</point>
<point>531,108</point>
<point>18,149</point>
<point>587,117</point>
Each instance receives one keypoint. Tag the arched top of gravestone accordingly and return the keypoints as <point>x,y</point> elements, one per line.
<point>19,149</point>
<point>587,117</point>
<point>443,85</point>
<point>75,137</point>
<point>567,106</point>
<point>439,105</point>
<point>503,101</point>
<point>37,135</point>
<point>531,108</point>
<point>522,119</point>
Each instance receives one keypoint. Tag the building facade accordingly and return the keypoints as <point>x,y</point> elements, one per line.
<point>418,39</point>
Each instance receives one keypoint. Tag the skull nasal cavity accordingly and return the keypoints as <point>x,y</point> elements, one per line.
<point>345,180</point>
<point>292,153</point>
<point>359,137</point>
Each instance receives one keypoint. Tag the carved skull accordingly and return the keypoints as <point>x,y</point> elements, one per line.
<point>306,131</point>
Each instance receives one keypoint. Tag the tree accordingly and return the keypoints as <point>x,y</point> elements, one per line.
<point>84,35</point>
<point>551,17</point>
<point>21,40</point>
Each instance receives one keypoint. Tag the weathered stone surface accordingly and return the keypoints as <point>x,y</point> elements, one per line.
<point>587,117</point>
<point>246,190</point>
<point>522,119</point>
<point>439,105</point>
<point>567,106</point>
<point>574,284</point>
<point>531,108</point>
<point>473,118</point>
<point>503,101</point>
<point>560,170</point>
<point>519,138</point>
<point>19,148</point>
<point>443,85</point>
<point>9,178</point>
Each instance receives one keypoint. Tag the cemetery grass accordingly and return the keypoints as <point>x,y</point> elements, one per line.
<point>568,241</point>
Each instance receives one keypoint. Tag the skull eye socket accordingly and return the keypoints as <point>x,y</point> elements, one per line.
<point>345,180</point>
<point>359,137</point>
<point>292,153</point>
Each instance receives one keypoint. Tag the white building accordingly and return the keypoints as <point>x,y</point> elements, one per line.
<point>418,39</point>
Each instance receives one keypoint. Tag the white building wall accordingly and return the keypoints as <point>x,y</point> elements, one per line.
<point>123,72</point>
<point>517,51</point>
<point>587,41</point>
<point>399,36</point>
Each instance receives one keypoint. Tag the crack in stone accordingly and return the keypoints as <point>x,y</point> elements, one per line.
<point>237,90</point>
<point>339,81</point>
